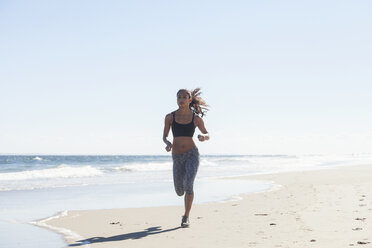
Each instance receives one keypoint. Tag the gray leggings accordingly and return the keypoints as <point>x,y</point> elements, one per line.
<point>185,167</point>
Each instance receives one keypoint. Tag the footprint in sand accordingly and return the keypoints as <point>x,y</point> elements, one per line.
<point>357,229</point>
<point>362,219</point>
<point>362,242</point>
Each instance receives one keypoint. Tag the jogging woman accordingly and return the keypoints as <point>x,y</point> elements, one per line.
<point>185,154</point>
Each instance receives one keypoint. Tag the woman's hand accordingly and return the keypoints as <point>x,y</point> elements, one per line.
<point>203,137</point>
<point>169,146</point>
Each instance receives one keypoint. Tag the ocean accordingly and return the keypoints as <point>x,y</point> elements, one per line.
<point>34,187</point>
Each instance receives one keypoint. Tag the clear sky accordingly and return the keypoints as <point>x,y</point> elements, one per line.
<point>98,77</point>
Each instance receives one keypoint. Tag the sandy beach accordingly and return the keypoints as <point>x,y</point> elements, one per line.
<point>324,208</point>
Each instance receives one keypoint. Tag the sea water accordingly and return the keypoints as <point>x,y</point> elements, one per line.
<point>34,187</point>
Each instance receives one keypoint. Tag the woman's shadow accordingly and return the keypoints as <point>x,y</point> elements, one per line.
<point>133,235</point>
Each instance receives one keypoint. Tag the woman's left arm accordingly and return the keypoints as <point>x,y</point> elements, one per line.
<point>200,125</point>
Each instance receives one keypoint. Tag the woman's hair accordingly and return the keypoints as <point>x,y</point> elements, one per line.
<point>197,105</point>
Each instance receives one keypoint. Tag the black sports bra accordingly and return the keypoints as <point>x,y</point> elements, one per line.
<point>182,129</point>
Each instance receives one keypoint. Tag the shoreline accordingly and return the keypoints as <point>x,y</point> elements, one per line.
<point>296,213</point>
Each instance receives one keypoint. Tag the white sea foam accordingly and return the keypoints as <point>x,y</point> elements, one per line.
<point>68,234</point>
<point>231,159</point>
<point>37,158</point>
<point>165,166</point>
<point>62,171</point>
<point>155,170</point>
<point>207,162</point>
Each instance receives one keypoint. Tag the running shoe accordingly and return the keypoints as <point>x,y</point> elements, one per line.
<point>185,222</point>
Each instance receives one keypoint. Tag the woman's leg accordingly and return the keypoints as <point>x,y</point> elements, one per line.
<point>178,173</point>
<point>192,165</point>
<point>188,203</point>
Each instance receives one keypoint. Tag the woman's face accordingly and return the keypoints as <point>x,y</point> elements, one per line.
<point>183,99</point>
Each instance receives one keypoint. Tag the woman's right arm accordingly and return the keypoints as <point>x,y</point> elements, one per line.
<point>167,124</point>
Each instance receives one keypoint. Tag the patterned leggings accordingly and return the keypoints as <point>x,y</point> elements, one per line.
<point>185,167</point>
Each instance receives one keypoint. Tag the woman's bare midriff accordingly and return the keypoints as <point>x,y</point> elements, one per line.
<point>182,144</point>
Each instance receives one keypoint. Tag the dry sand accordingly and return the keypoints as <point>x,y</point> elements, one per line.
<point>325,208</point>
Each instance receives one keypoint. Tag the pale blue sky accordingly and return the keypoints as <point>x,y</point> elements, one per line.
<point>98,77</point>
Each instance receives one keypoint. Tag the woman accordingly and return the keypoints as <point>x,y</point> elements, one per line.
<point>185,154</point>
